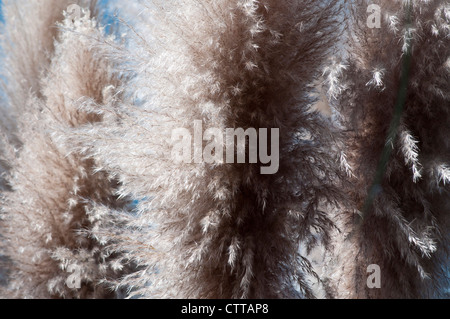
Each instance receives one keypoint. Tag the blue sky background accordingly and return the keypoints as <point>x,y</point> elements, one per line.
<point>1,12</point>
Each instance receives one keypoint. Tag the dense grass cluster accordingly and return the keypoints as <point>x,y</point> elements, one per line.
<point>92,206</point>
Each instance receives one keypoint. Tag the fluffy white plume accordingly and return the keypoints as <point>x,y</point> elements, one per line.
<point>222,230</point>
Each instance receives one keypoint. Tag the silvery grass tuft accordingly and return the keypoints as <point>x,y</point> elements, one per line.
<point>50,69</point>
<point>27,45</point>
<point>404,223</point>
<point>221,230</point>
<point>92,200</point>
<point>27,42</point>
